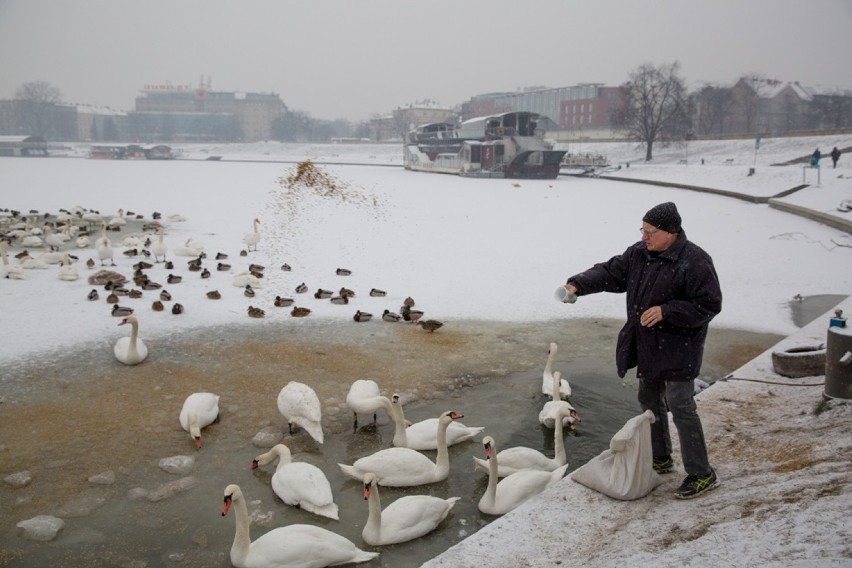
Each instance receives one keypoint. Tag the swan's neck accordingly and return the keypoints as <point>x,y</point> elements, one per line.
<point>558,441</point>
<point>374,518</point>
<point>491,491</point>
<point>194,430</point>
<point>242,538</point>
<point>442,460</point>
<point>400,438</point>
<point>134,334</point>
<point>557,382</point>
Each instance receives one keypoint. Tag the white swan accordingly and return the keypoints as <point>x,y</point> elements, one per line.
<point>405,519</point>
<point>299,484</point>
<point>31,263</point>
<point>557,409</point>
<point>104,247</point>
<point>503,496</point>
<point>200,409</point>
<point>83,241</point>
<point>365,397</point>
<point>130,350</point>
<point>299,405</point>
<point>512,460</point>
<point>158,247</point>
<point>305,546</point>
<point>190,248</point>
<point>404,467</point>
<point>246,278</point>
<point>423,435</point>
<point>51,239</point>
<point>251,239</point>
<point>118,220</point>
<point>67,271</point>
<point>11,271</point>
<point>547,377</point>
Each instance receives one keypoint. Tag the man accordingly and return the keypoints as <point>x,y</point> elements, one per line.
<point>835,155</point>
<point>672,293</point>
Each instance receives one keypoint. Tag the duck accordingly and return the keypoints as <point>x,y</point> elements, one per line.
<point>404,467</point>
<point>299,404</point>
<point>376,293</point>
<point>291,545</point>
<point>251,239</point>
<point>205,273</point>
<point>158,247</point>
<point>283,302</point>
<point>112,298</point>
<point>242,279</point>
<point>248,291</point>
<point>365,397</point>
<point>517,458</point>
<point>301,288</point>
<point>390,316</point>
<point>430,325</point>
<point>130,253</point>
<point>346,292</point>
<point>362,316</point>
<point>174,279</point>
<point>90,263</point>
<point>199,410</point>
<point>134,293</point>
<point>547,376</point>
<point>408,302</point>
<point>177,308</point>
<point>256,312</point>
<point>130,350</point>
<point>407,518</point>
<point>157,306</point>
<point>423,435</point>
<point>410,315</point>
<point>121,311</point>
<point>299,484</point>
<point>223,267</point>
<point>299,312</point>
<point>221,256</point>
<point>68,271</point>
<point>557,409</point>
<point>343,272</point>
<point>501,496</point>
<point>142,265</point>
<point>321,294</point>
<point>339,300</point>
<point>214,295</point>
<point>165,296</point>
<point>286,267</point>
<point>254,267</point>
<point>93,295</point>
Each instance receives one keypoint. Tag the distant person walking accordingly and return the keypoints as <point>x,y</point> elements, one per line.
<point>835,155</point>
<point>815,158</point>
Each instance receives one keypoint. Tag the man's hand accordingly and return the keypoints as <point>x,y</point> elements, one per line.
<point>651,316</point>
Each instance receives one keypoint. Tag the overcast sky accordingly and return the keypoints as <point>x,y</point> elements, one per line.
<point>355,59</point>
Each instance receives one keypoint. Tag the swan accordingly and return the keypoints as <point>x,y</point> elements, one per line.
<point>190,248</point>
<point>423,435</point>
<point>246,278</point>
<point>67,271</point>
<point>31,263</point>
<point>503,496</point>
<point>51,239</point>
<point>405,519</point>
<point>300,545</point>
<point>251,239</point>
<point>404,467</point>
<point>300,484</point>
<point>515,459</point>
<point>83,241</point>
<point>118,220</point>
<point>299,404</point>
<point>11,271</point>
<point>548,415</point>
<point>130,350</point>
<point>200,409</point>
<point>158,247</point>
<point>364,397</point>
<point>547,377</point>
<point>104,247</point>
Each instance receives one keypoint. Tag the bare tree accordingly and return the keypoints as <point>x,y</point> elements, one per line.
<point>713,104</point>
<point>39,98</point>
<point>832,111</point>
<point>654,105</point>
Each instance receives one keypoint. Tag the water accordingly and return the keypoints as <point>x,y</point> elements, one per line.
<point>78,414</point>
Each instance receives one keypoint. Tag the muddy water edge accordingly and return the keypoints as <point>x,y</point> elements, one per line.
<point>74,414</point>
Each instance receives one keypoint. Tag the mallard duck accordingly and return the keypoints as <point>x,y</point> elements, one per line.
<point>150,285</point>
<point>131,252</point>
<point>376,293</point>
<point>222,267</point>
<point>142,265</point>
<point>205,273</point>
<point>134,293</point>
<point>121,311</point>
<point>244,252</point>
<point>286,267</point>
<point>298,312</point>
<point>388,315</point>
<point>120,291</point>
<point>411,315</point>
<point>169,265</point>
<point>255,312</point>
<point>408,302</point>
<point>165,296</point>
<point>157,306</point>
<point>339,300</point>
<point>343,272</point>
<point>221,256</point>
<point>248,291</point>
<point>112,299</point>
<point>283,302</point>
<point>430,325</point>
<point>347,292</point>
<point>90,263</point>
<point>173,279</point>
<point>256,268</point>
<point>321,294</point>
<point>177,309</point>
<point>93,295</point>
<point>194,267</point>
<point>214,295</point>
<point>301,288</point>
<point>362,316</point>
<point>256,273</point>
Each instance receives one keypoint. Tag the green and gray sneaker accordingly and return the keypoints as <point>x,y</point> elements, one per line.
<point>695,485</point>
<point>663,464</point>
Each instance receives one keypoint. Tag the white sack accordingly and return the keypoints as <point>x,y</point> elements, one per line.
<point>625,471</point>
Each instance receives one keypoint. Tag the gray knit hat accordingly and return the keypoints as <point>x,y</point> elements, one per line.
<point>664,217</point>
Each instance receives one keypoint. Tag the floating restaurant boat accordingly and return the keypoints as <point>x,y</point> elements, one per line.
<point>507,145</point>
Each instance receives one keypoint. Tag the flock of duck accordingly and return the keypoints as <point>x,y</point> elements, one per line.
<point>514,474</point>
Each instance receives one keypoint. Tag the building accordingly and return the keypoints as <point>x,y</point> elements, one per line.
<point>23,146</point>
<point>590,118</point>
<point>408,118</point>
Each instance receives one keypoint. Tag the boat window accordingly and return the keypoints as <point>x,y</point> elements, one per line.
<point>475,154</point>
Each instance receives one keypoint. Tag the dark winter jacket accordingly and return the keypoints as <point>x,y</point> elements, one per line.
<point>683,281</point>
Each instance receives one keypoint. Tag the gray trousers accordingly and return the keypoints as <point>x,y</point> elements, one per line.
<point>662,397</point>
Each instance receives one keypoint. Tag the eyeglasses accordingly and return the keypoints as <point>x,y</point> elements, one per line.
<point>648,233</point>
